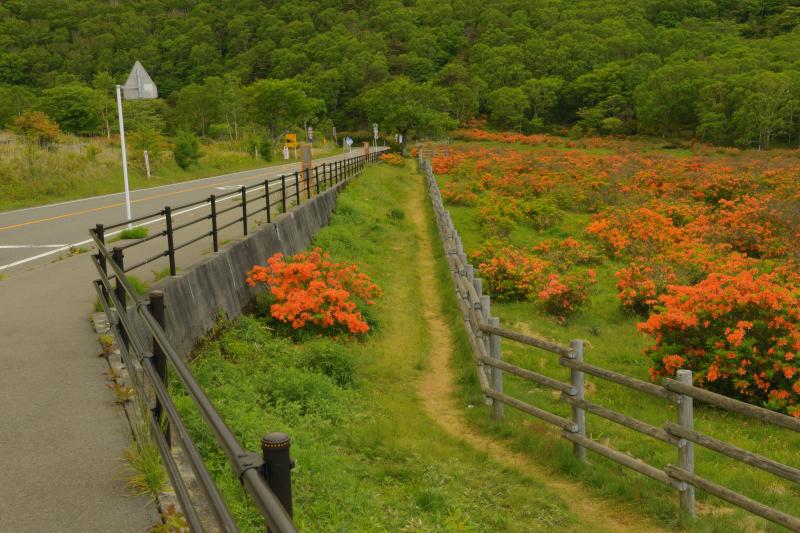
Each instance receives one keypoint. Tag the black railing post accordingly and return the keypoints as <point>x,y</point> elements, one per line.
<point>159,359</point>
<point>214,233</point>
<point>170,241</point>
<point>297,187</point>
<point>308,183</point>
<point>316,178</point>
<point>244,210</point>
<point>118,257</point>
<point>278,467</point>
<point>324,176</point>
<point>100,231</point>
<point>283,193</point>
<point>266,196</point>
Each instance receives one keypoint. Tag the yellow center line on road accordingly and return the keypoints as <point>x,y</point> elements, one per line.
<point>118,204</point>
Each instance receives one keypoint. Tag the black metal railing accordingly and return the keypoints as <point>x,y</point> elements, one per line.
<point>267,476</point>
<point>276,194</point>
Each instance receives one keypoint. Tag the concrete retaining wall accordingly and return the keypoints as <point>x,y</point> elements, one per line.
<point>197,297</point>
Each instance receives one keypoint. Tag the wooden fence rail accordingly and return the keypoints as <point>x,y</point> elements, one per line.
<point>484,333</point>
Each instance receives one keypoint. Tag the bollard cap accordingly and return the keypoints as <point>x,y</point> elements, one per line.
<point>275,441</point>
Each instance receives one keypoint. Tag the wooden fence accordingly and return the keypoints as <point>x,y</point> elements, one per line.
<point>484,334</point>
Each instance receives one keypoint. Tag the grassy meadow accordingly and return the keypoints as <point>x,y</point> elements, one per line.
<point>368,456</point>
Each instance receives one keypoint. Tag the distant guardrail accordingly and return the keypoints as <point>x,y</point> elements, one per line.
<point>267,476</point>
<point>484,333</point>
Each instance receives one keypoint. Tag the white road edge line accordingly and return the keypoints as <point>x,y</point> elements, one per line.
<point>87,241</point>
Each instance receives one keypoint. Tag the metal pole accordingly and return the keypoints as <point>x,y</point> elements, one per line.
<point>283,194</point>
<point>124,155</point>
<point>244,210</point>
<point>266,197</point>
<point>159,359</point>
<point>308,183</point>
<point>297,187</point>
<point>316,179</point>
<point>578,414</point>
<point>170,241</point>
<point>275,449</point>
<point>119,259</point>
<point>214,236</point>
<point>686,447</point>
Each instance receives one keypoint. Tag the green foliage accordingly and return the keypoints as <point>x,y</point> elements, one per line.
<point>187,149</point>
<point>280,104</point>
<point>139,232</point>
<point>75,107</point>
<point>719,70</point>
<point>404,106</point>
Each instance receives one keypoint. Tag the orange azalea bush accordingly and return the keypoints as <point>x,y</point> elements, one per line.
<point>510,274</point>
<point>309,289</point>
<point>563,294</point>
<point>392,159</point>
<point>739,334</point>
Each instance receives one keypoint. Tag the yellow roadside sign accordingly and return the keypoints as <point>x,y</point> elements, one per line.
<point>291,140</point>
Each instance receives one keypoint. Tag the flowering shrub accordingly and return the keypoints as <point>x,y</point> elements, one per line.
<point>562,295</point>
<point>458,193</point>
<point>640,285</point>
<point>541,213</point>
<point>499,215</point>
<point>392,159</point>
<point>510,274</point>
<point>740,334</point>
<point>308,288</point>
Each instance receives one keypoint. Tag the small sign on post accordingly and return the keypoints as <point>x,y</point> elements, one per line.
<point>291,140</point>
<point>310,134</point>
<point>375,134</point>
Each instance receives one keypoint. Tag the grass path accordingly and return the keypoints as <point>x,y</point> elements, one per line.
<point>436,389</point>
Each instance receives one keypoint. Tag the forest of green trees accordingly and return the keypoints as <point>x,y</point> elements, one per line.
<point>720,71</point>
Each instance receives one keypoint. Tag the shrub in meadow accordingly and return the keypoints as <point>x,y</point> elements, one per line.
<point>509,273</point>
<point>563,294</point>
<point>739,333</point>
<point>392,159</point>
<point>310,290</point>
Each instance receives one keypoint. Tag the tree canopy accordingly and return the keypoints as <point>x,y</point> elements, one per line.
<point>725,71</point>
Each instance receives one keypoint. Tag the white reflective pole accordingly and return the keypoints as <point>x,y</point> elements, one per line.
<point>124,155</point>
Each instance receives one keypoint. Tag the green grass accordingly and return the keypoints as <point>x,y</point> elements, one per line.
<point>38,177</point>
<point>613,342</point>
<point>369,458</point>
<point>138,232</point>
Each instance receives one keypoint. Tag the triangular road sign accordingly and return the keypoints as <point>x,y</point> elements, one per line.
<point>139,85</point>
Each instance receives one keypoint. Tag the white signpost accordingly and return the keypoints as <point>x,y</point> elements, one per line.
<point>310,134</point>
<point>375,134</point>
<point>349,143</point>
<point>139,86</point>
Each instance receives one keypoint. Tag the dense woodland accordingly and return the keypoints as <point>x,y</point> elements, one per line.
<point>720,71</point>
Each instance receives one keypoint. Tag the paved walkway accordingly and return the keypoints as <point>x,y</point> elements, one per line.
<point>61,435</point>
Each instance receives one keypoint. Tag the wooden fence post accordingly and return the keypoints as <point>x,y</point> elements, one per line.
<point>498,408</point>
<point>686,447</point>
<point>578,414</point>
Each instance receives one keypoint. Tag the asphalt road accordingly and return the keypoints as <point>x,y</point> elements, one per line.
<point>46,232</point>
<point>61,436</point>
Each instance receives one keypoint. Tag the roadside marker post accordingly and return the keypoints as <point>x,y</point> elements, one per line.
<point>139,86</point>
